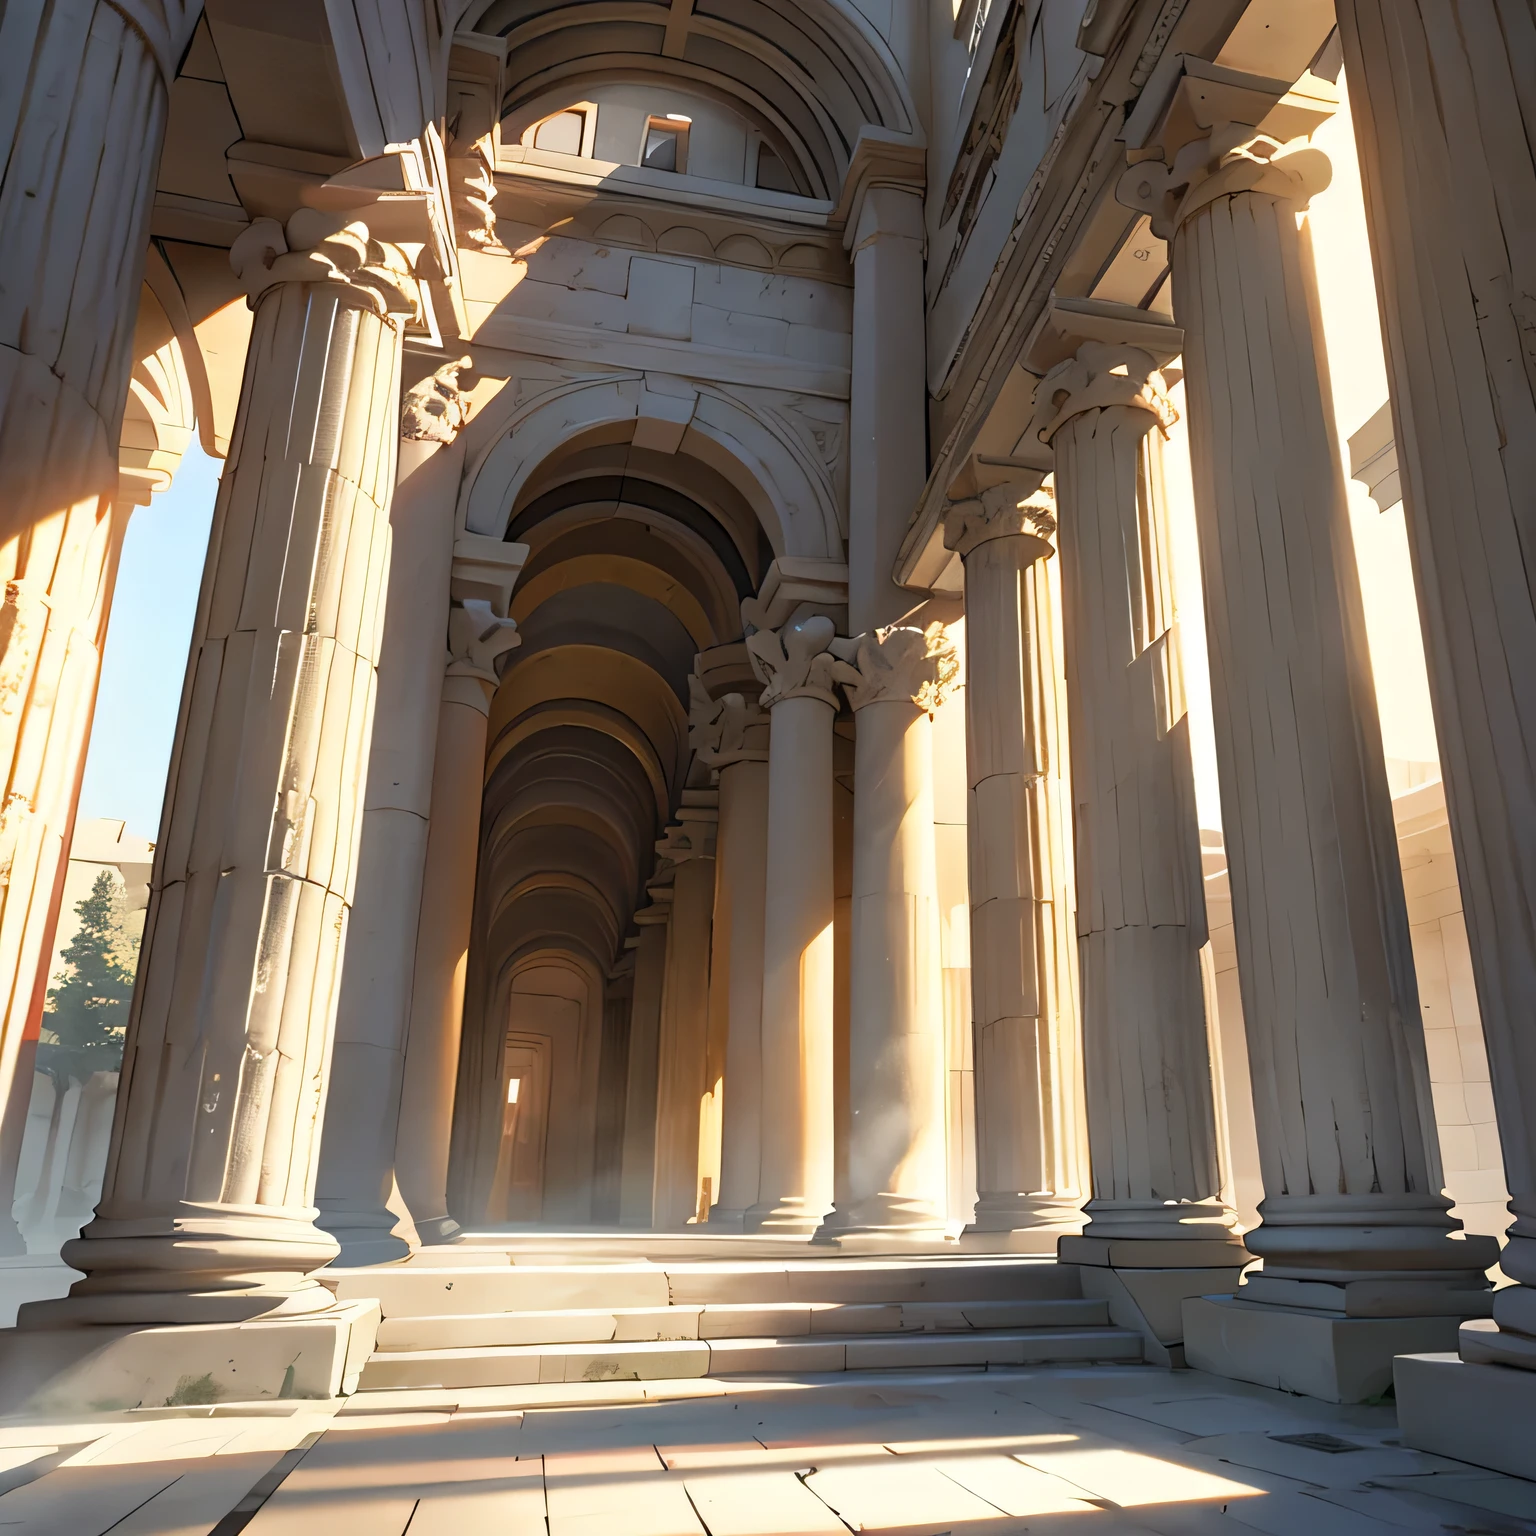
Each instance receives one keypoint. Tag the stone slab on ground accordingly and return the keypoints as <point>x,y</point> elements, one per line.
<point>1484,1414</point>
<point>68,1370</point>
<point>1319,1354</point>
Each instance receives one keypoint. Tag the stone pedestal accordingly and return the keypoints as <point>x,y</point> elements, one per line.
<point>357,1155</point>
<point>1443,119</point>
<point>896,1168</point>
<point>736,745</point>
<point>1341,1097</point>
<point>206,1216</point>
<point>1140,894</point>
<point>1023,1010</point>
<point>681,1084</point>
<point>85,103</point>
<point>795,1172</point>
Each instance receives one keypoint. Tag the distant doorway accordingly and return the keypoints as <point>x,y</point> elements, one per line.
<point>518,1193</point>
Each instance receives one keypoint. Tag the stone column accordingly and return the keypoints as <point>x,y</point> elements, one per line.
<point>362,1114</point>
<point>731,735</point>
<point>795,1173</point>
<point>84,96</point>
<point>896,1150</point>
<point>1444,121</point>
<point>206,1214</point>
<point>888,399</point>
<point>480,637</point>
<point>1028,1182</point>
<point>1353,1220</point>
<point>681,1056</point>
<point>637,1183</point>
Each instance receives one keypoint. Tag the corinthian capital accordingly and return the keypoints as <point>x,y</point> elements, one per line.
<point>330,248</point>
<point>793,662</point>
<point>732,729</point>
<point>435,409</point>
<point>1230,158</point>
<point>1101,375</point>
<point>479,641</point>
<point>1018,509</point>
<point>900,664</point>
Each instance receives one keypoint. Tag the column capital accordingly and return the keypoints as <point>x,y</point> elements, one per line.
<point>887,174</point>
<point>794,662</point>
<point>434,410</point>
<point>899,664</point>
<point>1103,374</point>
<point>692,836</point>
<point>727,730</point>
<point>1202,131</point>
<point>479,642</point>
<point>1024,508</point>
<point>327,248</point>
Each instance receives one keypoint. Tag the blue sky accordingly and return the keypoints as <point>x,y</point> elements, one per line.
<point>146,655</point>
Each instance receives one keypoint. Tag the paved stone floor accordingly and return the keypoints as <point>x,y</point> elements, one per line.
<point>1059,1451</point>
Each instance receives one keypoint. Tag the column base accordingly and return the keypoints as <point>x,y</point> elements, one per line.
<point>1318,1354</point>
<point>788,1218</point>
<point>727,1220</point>
<point>885,1223</point>
<point>96,1369</point>
<point>1011,1223</point>
<point>367,1238</point>
<point>1468,1410</point>
<point>437,1230</point>
<point>1146,1281</point>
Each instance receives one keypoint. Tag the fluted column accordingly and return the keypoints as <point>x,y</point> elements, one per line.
<point>1443,120</point>
<point>84,94</point>
<point>795,1173</point>
<point>681,1055</point>
<point>206,1213</point>
<point>637,1181</point>
<point>731,735</point>
<point>896,1150</point>
<point>362,1112</point>
<point>480,638</point>
<point>1140,892</point>
<point>1022,1010</point>
<point>1353,1217</point>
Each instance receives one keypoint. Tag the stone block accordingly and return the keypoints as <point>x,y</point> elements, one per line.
<point>1151,1253</point>
<point>751,1322</point>
<point>1152,1301</point>
<point>81,1370</point>
<point>1319,1354</point>
<point>1371,1298</point>
<point>1483,1414</point>
<point>775,1356</point>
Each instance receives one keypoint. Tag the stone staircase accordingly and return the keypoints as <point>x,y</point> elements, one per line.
<point>495,1316</point>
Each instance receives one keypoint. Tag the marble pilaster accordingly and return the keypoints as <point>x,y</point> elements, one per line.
<point>1022,1008</point>
<point>896,1149</point>
<point>480,638</point>
<point>1353,1221</point>
<point>1443,122</point>
<point>795,1168</point>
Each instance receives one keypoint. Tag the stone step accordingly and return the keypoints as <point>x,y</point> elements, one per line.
<point>652,1360</point>
<point>726,1321</point>
<point>418,1291</point>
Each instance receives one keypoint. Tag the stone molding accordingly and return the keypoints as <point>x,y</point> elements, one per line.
<point>689,839</point>
<point>1019,509</point>
<point>435,409</point>
<point>1230,158</point>
<point>899,664</point>
<point>317,247</point>
<point>795,662</point>
<point>1103,374</point>
<point>718,729</point>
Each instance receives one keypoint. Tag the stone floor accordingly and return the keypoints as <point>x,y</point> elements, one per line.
<point>1058,1451</point>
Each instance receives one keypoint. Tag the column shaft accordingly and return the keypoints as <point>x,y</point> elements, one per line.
<point>206,1213</point>
<point>1443,119</point>
<point>739,917</point>
<point>638,1180</point>
<point>84,96</point>
<point>1023,1011</point>
<point>1140,894</point>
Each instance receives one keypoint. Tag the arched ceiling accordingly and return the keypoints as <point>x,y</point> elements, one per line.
<point>809,73</point>
<point>628,579</point>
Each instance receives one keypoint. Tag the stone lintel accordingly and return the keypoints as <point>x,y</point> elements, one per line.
<point>1066,323</point>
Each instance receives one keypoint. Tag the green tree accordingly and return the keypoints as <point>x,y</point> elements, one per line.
<point>87,1014</point>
